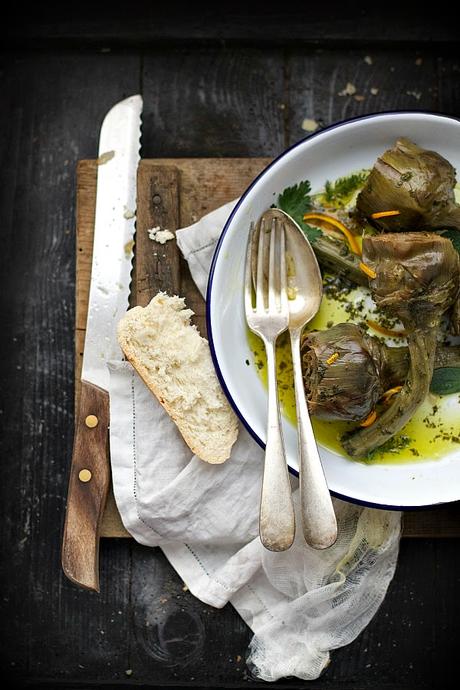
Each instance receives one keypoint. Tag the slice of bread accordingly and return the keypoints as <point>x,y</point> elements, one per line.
<point>174,361</point>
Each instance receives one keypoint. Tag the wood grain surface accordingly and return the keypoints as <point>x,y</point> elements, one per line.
<point>58,78</point>
<point>88,486</point>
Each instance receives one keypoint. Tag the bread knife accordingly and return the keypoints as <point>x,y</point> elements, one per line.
<point>114,224</point>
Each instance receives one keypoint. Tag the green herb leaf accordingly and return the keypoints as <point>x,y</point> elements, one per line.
<point>393,446</point>
<point>454,236</point>
<point>445,381</point>
<point>344,187</point>
<point>296,201</point>
<point>311,232</point>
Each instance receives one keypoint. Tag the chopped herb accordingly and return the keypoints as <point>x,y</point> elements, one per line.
<point>339,191</point>
<point>393,446</point>
<point>296,201</point>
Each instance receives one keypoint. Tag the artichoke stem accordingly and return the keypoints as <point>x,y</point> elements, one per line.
<point>335,256</point>
<point>422,347</point>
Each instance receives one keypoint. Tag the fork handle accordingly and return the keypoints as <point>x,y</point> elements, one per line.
<point>276,520</point>
<point>318,518</point>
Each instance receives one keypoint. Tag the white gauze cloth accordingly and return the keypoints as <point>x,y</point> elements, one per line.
<point>301,603</point>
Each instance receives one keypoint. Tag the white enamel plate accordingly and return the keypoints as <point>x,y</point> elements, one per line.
<point>327,155</point>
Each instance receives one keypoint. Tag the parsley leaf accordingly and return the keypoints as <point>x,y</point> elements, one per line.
<point>296,201</point>
<point>446,381</point>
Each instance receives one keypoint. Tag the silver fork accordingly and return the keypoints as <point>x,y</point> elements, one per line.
<point>268,319</point>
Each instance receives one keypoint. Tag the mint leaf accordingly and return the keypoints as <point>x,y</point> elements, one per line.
<point>296,201</point>
<point>454,236</point>
<point>445,381</point>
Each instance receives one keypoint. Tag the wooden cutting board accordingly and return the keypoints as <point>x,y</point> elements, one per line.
<point>175,193</point>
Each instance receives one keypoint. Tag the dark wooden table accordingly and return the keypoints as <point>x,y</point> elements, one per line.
<point>214,84</point>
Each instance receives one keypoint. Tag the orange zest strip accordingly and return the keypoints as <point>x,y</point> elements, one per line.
<point>354,246</point>
<point>385,331</point>
<point>370,419</point>
<point>333,358</point>
<point>390,392</point>
<point>384,214</point>
<point>367,270</point>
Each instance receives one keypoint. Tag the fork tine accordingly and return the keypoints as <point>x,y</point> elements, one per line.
<point>272,277</point>
<point>248,274</point>
<point>260,302</point>
<point>283,271</point>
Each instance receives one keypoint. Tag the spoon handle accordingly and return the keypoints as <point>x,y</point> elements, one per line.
<point>318,518</point>
<point>276,519</point>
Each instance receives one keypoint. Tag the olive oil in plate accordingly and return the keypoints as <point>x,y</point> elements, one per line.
<point>432,432</point>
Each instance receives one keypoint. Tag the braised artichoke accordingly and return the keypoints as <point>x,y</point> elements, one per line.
<point>346,370</point>
<point>417,183</point>
<point>417,278</point>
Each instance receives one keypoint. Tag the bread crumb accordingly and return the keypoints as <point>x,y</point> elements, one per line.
<point>418,61</point>
<point>349,90</point>
<point>161,236</point>
<point>374,91</point>
<point>415,94</point>
<point>129,671</point>
<point>129,248</point>
<point>309,125</point>
<point>358,97</point>
<point>128,214</point>
<point>105,157</point>
<point>368,60</point>
<point>238,658</point>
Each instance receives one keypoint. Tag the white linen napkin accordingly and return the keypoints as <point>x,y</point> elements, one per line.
<point>301,603</point>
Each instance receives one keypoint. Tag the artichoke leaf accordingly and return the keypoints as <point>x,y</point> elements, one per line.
<point>349,386</point>
<point>414,181</point>
<point>417,279</point>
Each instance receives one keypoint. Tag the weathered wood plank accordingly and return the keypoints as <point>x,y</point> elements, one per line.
<point>157,266</point>
<point>52,107</point>
<point>336,24</point>
<point>178,638</point>
<point>449,92</point>
<point>221,102</point>
<point>330,85</point>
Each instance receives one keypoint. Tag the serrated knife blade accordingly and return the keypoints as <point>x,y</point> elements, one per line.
<point>113,237</point>
<point>114,226</point>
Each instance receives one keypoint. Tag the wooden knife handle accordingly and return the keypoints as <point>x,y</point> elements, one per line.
<point>88,486</point>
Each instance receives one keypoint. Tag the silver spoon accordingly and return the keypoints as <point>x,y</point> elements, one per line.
<point>305,289</point>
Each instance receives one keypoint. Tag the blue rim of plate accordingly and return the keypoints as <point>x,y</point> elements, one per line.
<point>215,360</point>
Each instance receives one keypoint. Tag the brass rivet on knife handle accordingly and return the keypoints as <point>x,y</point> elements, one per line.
<point>156,266</point>
<point>88,486</point>
<point>91,421</point>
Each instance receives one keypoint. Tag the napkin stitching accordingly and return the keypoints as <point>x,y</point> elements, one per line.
<point>134,446</point>
<point>229,589</point>
<point>198,249</point>
<point>264,605</point>
<point>211,577</point>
